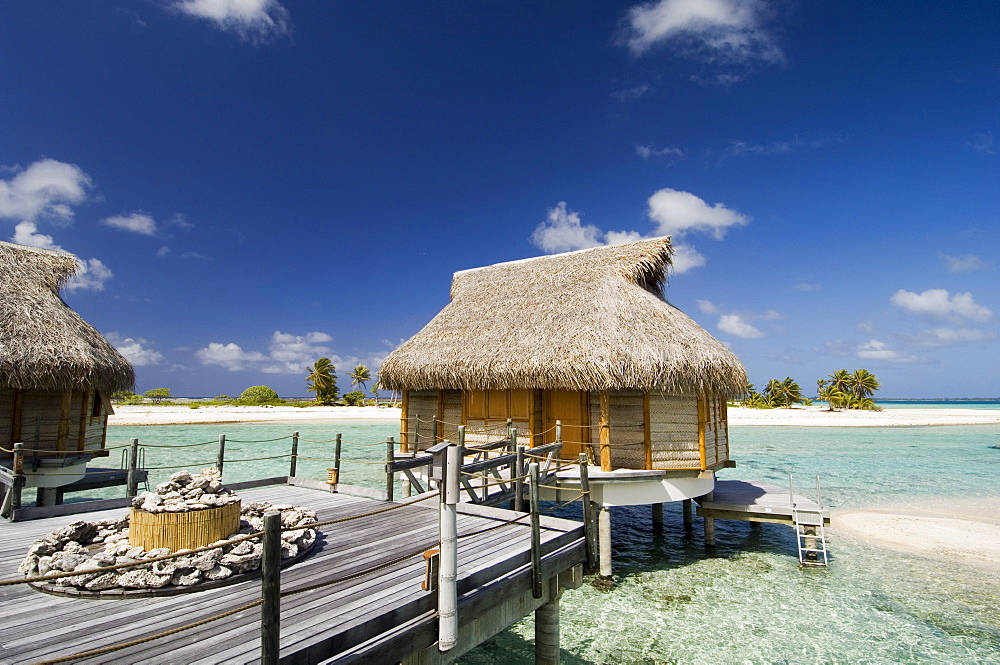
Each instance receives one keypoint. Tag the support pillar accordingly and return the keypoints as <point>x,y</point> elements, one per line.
<point>709,526</point>
<point>657,517</point>
<point>604,536</point>
<point>47,496</point>
<point>547,632</point>
<point>688,520</point>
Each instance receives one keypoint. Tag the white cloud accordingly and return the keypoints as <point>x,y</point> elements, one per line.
<point>875,350</point>
<point>865,327</point>
<point>686,257</point>
<point>47,188</point>
<point>736,326</point>
<point>982,143</point>
<point>677,213</point>
<point>26,233</point>
<point>90,276</point>
<point>163,251</point>
<point>962,263</point>
<point>668,154</point>
<point>256,21</point>
<point>939,304</point>
<point>137,222</point>
<point>807,286</point>
<point>707,306</point>
<point>287,354</point>
<point>635,92</point>
<point>563,232</point>
<point>710,31</point>
<point>942,337</point>
<point>133,349</point>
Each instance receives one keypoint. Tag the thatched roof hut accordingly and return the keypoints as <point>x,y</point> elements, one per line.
<point>45,345</point>
<point>584,339</point>
<point>56,370</point>
<point>595,319</point>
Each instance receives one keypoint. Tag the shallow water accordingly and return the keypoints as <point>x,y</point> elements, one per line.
<point>750,602</point>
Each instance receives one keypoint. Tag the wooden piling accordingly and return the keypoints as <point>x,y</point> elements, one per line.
<point>688,519</point>
<point>709,526</point>
<point>547,632</point>
<point>270,589</point>
<point>588,512</point>
<point>604,538</point>
<point>536,532</point>
<point>657,510</point>
<point>519,480</point>
<point>293,461</point>
<point>132,482</point>
<point>336,456</point>
<point>220,457</point>
<point>448,558</point>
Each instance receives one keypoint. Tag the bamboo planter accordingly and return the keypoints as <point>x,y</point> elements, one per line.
<point>187,530</point>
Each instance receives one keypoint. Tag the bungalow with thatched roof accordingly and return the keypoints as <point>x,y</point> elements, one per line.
<point>56,370</point>
<point>585,338</point>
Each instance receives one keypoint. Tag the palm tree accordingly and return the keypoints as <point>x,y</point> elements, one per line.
<point>360,376</point>
<point>863,383</point>
<point>790,392</point>
<point>835,398</point>
<point>375,389</point>
<point>322,381</point>
<point>841,380</point>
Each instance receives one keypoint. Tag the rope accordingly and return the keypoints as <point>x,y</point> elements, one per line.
<point>346,578</point>
<point>354,443</point>
<point>257,459</point>
<point>180,445</point>
<point>312,441</point>
<point>150,638</point>
<point>180,466</point>
<point>280,438</point>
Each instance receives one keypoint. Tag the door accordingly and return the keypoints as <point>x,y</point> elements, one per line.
<point>571,408</point>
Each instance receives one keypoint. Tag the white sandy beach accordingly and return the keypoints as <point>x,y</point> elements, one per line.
<point>805,416</point>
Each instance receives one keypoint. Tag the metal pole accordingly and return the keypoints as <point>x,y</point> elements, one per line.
<point>293,463</point>
<point>390,476</point>
<point>448,570</point>
<point>270,590</point>
<point>536,533</point>
<point>519,481</point>
<point>220,458</point>
<point>588,512</point>
<point>132,488</point>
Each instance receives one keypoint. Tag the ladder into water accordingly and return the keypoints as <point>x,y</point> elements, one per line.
<point>810,531</point>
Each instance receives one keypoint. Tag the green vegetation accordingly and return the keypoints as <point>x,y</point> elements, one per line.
<point>360,376</point>
<point>157,394</point>
<point>323,381</point>
<point>126,397</point>
<point>355,398</point>
<point>258,395</point>
<point>841,390</point>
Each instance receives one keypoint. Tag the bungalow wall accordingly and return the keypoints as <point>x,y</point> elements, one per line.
<point>67,421</point>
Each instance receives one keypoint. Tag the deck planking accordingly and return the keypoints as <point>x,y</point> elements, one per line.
<point>315,624</point>
<point>754,501</point>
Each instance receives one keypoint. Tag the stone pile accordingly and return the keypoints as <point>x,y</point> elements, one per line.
<point>84,547</point>
<point>185,492</point>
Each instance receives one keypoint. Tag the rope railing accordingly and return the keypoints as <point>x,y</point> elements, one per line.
<point>178,445</point>
<point>280,438</point>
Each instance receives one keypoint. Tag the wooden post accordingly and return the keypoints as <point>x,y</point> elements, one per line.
<point>293,461</point>
<point>547,632</point>
<point>688,520</point>
<point>390,477</point>
<point>18,485</point>
<point>336,456</point>
<point>404,423</point>
<point>588,512</point>
<point>657,517</point>
<point>604,538</point>
<point>558,431</point>
<point>404,482</point>
<point>220,458</point>
<point>519,481</point>
<point>435,430</point>
<point>605,431</point>
<point>132,484</point>
<point>536,532</point>
<point>270,590</point>
<point>709,526</point>
<point>448,566</point>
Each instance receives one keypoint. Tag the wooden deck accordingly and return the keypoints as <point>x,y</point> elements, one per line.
<point>381,616</point>
<point>754,501</point>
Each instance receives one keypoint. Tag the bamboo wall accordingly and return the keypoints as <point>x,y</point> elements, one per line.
<point>673,430</point>
<point>58,421</point>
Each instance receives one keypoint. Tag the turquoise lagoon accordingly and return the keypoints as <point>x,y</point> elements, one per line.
<point>748,602</point>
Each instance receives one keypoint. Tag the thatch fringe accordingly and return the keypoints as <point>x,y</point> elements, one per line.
<point>44,344</point>
<point>589,320</point>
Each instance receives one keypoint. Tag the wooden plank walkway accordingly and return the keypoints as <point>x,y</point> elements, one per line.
<point>315,625</point>
<point>754,501</point>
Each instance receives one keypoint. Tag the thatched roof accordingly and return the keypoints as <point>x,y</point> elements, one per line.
<point>45,345</point>
<point>589,320</point>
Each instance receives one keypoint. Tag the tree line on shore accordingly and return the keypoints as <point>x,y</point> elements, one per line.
<point>321,379</point>
<point>840,390</point>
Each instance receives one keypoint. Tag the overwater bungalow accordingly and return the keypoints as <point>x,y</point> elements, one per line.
<point>56,371</point>
<point>586,339</point>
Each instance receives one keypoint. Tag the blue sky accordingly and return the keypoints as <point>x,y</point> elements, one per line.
<point>252,184</point>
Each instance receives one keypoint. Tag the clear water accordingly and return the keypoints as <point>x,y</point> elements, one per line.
<point>749,602</point>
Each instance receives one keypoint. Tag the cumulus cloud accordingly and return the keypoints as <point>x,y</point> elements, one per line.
<point>134,350</point>
<point>940,304</point>
<point>26,233</point>
<point>712,32</point>
<point>673,212</point>
<point>136,222</point>
<point>962,263</point>
<point>45,189</point>
<point>707,307</point>
<point>287,354</point>
<point>736,326</point>
<point>254,21</point>
<point>875,350</point>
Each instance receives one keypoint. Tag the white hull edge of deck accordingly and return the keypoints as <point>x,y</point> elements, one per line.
<point>636,487</point>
